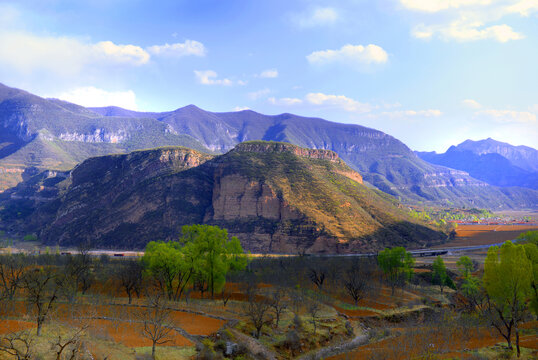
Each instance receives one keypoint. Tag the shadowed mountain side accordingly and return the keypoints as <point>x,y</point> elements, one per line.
<point>494,162</point>
<point>276,197</point>
<point>524,157</point>
<point>491,168</point>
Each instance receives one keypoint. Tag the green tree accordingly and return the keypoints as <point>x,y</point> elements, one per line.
<point>216,253</point>
<point>473,291</point>
<point>439,275</point>
<point>465,264</point>
<point>203,256</point>
<point>397,265</point>
<point>531,250</point>
<point>162,261</point>
<point>530,236</point>
<point>507,279</point>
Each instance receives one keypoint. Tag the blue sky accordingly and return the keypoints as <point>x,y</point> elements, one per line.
<point>429,72</point>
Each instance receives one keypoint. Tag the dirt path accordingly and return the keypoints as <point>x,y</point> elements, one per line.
<point>333,350</point>
<point>254,346</point>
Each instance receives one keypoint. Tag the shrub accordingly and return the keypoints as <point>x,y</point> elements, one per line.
<point>292,341</point>
<point>30,237</point>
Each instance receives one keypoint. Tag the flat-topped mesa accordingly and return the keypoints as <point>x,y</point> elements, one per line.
<point>281,147</point>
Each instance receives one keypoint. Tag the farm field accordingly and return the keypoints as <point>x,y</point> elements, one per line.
<point>472,235</point>
<point>276,308</point>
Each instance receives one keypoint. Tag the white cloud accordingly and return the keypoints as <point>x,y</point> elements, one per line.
<point>438,5</point>
<point>210,77</point>
<point>509,116</point>
<point>468,31</point>
<point>338,101</point>
<point>344,103</point>
<point>468,20</point>
<point>121,54</point>
<point>241,108</point>
<point>255,95</point>
<point>319,16</point>
<point>90,96</point>
<point>410,113</point>
<point>269,74</point>
<point>351,55</point>
<point>470,103</point>
<point>522,7</point>
<point>189,47</point>
<point>285,101</point>
<point>26,53</point>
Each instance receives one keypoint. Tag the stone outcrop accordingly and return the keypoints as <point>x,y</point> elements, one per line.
<point>278,147</point>
<point>235,197</point>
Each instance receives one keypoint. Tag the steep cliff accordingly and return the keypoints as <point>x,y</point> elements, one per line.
<point>276,197</point>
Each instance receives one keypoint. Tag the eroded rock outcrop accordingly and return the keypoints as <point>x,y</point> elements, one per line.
<point>275,197</point>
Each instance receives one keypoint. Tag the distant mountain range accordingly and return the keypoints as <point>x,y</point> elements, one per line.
<point>39,134</point>
<point>492,161</point>
<point>276,197</point>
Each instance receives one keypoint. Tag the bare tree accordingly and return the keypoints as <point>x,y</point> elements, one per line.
<point>69,346</point>
<point>225,296</point>
<point>317,276</point>
<point>11,272</point>
<point>155,317</point>
<point>41,286</point>
<point>356,281</point>
<point>278,303</point>
<point>314,309</point>
<point>18,344</point>
<point>130,276</point>
<point>78,269</point>
<point>257,309</point>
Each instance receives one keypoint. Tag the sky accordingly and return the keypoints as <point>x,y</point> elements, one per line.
<point>432,73</point>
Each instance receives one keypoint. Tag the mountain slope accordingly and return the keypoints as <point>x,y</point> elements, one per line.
<point>52,134</point>
<point>484,161</point>
<point>276,197</point>
<point>382,160</point>
<point>524,157</point>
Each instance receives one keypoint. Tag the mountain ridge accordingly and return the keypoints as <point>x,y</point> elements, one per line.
<point>76,133</point>
<point>486,160</point>
<point>276,197</point>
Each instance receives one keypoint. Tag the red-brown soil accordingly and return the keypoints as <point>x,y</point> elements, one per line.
<point>471,235</point>
<point>194,324</point>
<point>130,334</point>
<point>8,326</point>
<point>416,342</point>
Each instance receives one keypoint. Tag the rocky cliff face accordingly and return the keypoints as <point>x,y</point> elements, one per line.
<point>278,147</point>
<point>275,197</point>
<point>236,197</point>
